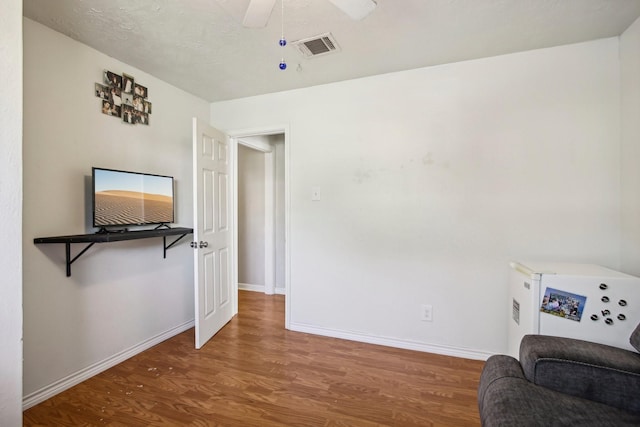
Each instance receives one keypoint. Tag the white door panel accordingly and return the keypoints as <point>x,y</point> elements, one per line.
<point>211,187</point>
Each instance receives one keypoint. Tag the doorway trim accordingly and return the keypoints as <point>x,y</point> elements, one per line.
<point>235,137</point>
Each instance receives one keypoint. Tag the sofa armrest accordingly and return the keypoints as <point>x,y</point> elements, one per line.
<point>584,369</point>
<point>501,381</point>
<point>498,367</point>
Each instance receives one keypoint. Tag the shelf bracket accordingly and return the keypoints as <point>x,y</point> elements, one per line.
<point>164,239</point>
<point>69,260</point>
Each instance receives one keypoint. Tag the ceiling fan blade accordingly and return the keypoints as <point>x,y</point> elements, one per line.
<point>258,13</point>
<point>355,9</point>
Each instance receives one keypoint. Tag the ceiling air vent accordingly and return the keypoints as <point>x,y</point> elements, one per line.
<point>317,45</point>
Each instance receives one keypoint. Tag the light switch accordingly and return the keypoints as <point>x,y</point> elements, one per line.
<point>315,194</point>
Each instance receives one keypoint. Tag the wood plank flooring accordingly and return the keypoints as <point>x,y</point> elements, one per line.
<point>256,373</point>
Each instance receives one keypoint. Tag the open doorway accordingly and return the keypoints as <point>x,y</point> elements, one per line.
<point>261,214</point>
<point>261,226</point>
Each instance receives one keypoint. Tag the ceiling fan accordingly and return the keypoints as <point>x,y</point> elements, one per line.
<point>258,11</point>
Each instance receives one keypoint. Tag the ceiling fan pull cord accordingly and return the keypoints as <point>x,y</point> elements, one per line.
<point>283,41</point>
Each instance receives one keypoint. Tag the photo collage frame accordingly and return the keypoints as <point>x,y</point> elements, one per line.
<point>122,97</point>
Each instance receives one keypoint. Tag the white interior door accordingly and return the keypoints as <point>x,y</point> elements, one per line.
<point>212,232</point>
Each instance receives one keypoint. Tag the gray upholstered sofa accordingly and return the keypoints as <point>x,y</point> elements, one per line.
<point>562,382</point>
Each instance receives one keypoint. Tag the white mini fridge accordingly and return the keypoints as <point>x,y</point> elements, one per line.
<point>583,301</point>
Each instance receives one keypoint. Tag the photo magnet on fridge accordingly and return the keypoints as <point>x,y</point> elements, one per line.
<point>563,304</point>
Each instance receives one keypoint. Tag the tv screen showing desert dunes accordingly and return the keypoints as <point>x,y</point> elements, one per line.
<point>126,198</point>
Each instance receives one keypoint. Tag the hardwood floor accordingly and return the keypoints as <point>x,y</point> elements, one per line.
<point>256,373</point>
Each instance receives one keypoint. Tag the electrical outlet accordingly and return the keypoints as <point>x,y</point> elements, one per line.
<point>427,313</point>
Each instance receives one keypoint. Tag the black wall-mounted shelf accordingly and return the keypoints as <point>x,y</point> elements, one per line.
<point>92,239</point>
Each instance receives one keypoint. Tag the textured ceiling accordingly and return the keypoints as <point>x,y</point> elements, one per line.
<point>200,46</point>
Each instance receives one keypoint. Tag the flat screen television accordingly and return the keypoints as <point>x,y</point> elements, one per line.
<point>122,198</point>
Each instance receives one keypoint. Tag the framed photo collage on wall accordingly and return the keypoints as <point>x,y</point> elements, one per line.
<point>121,96</point>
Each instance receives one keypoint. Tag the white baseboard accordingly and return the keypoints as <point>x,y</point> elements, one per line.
<point>69,381</point>
<point>258,288</point>
<point>249,287</point>
<point>392,342</point>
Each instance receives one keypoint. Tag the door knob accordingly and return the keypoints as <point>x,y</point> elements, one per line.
<point>204,244</point>
<point>194,245</point>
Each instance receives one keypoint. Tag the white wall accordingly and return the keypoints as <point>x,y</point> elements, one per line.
<point>630,82</point>
<point>277,142</point>
<point>11,213</point>
<point>123,295</point>
<point>251,223</point>
<point>433,179</point>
